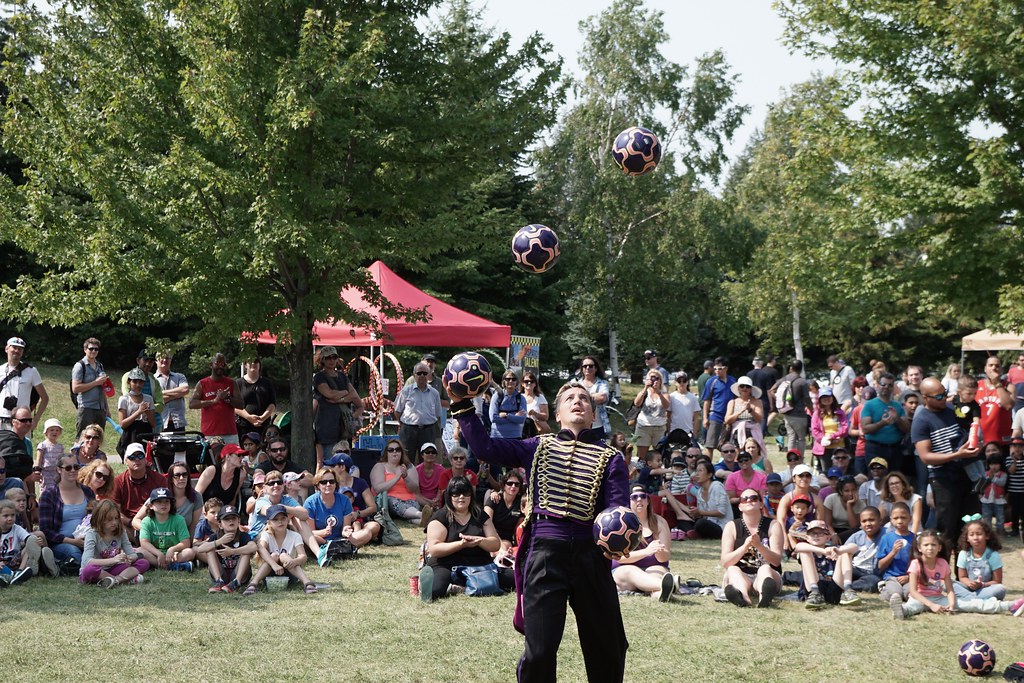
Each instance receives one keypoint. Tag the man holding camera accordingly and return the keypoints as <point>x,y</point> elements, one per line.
<point>17,379</point>
<point>87,380</point>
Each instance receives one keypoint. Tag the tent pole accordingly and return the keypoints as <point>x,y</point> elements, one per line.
<point>380,365</point>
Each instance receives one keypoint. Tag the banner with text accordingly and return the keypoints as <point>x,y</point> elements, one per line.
<point>525,353</point>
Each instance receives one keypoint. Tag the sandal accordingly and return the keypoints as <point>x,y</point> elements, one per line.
<point>310,589</point>
<point>249,590</point>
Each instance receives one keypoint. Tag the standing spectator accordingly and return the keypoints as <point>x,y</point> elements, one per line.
<point>856,431</point>
<point>435,381</point>
<point>146,364</point>
<point>942,446</point>
<point>684,407</point>
<point>715,400</point>
<point>331,390</point>
<point>259,400</point>
<point>508,409</point>
<point>17,380</point>
<point>828,428</point>
<point>651,361</point>
<point>174,387</point>
<point>137,415</point>
<point>952,378</point>
<point>841,376</point>
<point>996,401</point>
<point>702,378</point>
<point>1015,484</point>
<point>764,378</point>
<point>536,404</point>
<point>16,450</point>
<point>217,397</point>
<point>884,422</point>
<point>798,418</point>
<point>595,383</point>
<point>1015,375</point>
<point>87,380</point>
<point>744,414</point>
<point>418,409</point>
<point>655,411</point>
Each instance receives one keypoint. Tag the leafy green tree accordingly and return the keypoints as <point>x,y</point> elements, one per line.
<point>241,162</point>
<point>644,262</point>
<point>940,133</point>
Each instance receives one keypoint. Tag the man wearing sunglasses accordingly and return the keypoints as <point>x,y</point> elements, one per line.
<point>573,476</point>
<point>87,380</point>
<point>15,448</point>
<point>419,411</point>
<point>17,380</point>
<point>942,446</point>
<point>133,486</point>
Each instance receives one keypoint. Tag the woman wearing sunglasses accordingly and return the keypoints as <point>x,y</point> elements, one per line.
<point>88,447</point>
<point>62,508</point>
<point>752,554</point>
<point>504,507</point>
<point>645,570</point>
<point>98,476</point>
<point>396,475</point>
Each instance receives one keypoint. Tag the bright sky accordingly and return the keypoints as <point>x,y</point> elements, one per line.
<point>748,32</point>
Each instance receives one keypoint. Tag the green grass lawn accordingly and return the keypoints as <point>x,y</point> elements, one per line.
<point>366,627</point>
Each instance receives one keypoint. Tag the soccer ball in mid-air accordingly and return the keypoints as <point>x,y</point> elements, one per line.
<point>617,530</point>
<point>535,248</point>
<point>467,374</point>
<point>636,151</point>
<point>976,658</point>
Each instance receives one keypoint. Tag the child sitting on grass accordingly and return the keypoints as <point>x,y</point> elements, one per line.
<point>828,573</point>
<point>281,550</point>
<point>979,567</point>
<point>164,533</point>
<point>20,500</point>
<point>866,575</point>
<point>206,530</point>
<point>931,585</point>
<point>773,482</point>
<point>108,558</point>
<point>20,551</point>
<point>894,553</point>
<point>229,553</point>
<point>800,507</point>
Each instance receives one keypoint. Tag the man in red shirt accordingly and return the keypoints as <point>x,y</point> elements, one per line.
<point>133,486</point>
<point>1016,373</point>
<point>217,397</point>
<point>995,400</point>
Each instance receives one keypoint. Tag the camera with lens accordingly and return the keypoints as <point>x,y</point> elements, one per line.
<point>10,402</point>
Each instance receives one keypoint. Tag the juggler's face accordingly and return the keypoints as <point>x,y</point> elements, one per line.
<point>575,409</point>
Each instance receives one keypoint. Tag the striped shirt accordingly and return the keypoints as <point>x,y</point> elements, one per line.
<point>944,434</point>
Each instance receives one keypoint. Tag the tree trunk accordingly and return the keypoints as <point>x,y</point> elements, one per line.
<point>613,361</point>
<point>299,357</point>
<point>797,345</point>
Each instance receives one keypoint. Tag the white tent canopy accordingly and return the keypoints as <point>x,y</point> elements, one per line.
<point>987,340</point>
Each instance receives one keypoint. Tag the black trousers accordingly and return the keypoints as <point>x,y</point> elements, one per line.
<point>577,573</point>
<point>954,498</point>
<point>1016,501</point>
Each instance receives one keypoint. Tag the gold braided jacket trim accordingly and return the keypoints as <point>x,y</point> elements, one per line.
<point>567,476</point>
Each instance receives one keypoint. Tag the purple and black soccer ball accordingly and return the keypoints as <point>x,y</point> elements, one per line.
<point>976,658</point>
<point>467,374</point>
<point>535,248</point>
<point>636,151</point>
<point>617,530</point>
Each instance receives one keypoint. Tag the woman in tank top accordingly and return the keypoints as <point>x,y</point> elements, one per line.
<point>645,570</point>
<point>752,554</point>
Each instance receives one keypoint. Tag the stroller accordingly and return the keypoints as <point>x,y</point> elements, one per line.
<point>167,448</point>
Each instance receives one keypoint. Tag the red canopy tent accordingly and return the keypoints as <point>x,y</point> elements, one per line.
<point>448,325</point>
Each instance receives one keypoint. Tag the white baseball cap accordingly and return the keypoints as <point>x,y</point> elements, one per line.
<point>16,341</point>
<point>52,422</point>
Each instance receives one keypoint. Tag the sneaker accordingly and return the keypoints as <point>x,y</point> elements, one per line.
<point>181,567</point>
<point>21,576</point>
<point>107,582</point>
<point>323,557</point>
<point>814,600</point>
<point>1014,673</point>
<point>48,562</point>
<point>733,595</point>
<point>896,605</point>
<point>668,583</point>
<point>849,598</point>
<point>427,584</point>
<point>1017,607</point>
<point>768,592</point>
<point>230,587</point>
<point>428,512</point>
<point>456,589</point>
<point>216,586</point>
<point>136,580</point>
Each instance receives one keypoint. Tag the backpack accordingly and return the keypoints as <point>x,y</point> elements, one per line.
<point>784,397</point>
<point>71,393</point>
<point>390,533</point>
